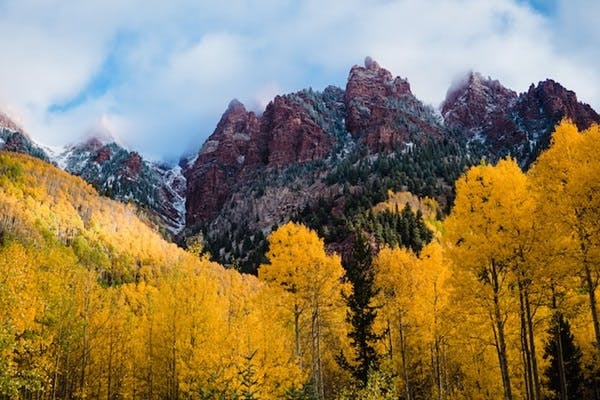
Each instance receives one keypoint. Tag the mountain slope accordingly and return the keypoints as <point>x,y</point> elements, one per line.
<point>13,138</point>
<point>90,296</point>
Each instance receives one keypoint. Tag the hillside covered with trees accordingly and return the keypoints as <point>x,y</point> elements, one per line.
<point>498,299</point>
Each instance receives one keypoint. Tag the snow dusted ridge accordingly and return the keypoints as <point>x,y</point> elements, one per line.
<point>173,189</point>
<point>114,171</point>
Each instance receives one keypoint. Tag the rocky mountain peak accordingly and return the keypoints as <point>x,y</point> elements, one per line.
<point>382,111</point>
<point>372,81</point>
<point>286,133</point>
<point>93,143</point>
<point>235,106</point>
<point>474,101</point>
<point>7,123</point>
<point>549,99</point>
<point>14,138</point>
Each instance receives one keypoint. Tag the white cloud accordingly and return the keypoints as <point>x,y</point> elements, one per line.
<point>181,62</point>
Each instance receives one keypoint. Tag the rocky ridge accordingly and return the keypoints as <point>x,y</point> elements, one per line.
<point>14,138</point>
<point>383,113</point>
<point>296,128</point>
<point>114,171</point>
<point>489,115</point>
<point>124,175</point>
<point>312,151</point>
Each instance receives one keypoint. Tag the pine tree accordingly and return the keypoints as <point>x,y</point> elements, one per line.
<point>361,313</point>
<point>564,373</point>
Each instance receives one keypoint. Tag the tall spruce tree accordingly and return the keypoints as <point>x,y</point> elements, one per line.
<point>564,373</point>
<point>361,313</point>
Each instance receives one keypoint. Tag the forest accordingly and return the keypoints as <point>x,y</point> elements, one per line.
<point>498,299</point>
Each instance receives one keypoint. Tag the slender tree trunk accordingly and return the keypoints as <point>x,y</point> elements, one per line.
<point>447,387</point>
<point>501,340</point>
<point>590,285</point>
<point>438,369</point>
<point>534,364</point>
<point>297,334</point>
<point>55,380</point>
<point>525,351</point>
<point>525,366</point>
<point>403,356</point>
<point>316,356</point>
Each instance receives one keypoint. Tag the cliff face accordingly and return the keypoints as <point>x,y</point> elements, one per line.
<point>294,129</point>
<point>383,113</point>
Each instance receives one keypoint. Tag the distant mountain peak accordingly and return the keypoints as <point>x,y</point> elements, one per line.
<point>474,88</point>
<point>475,102</point>
<point>548,102</point>
<point>373,80</point>
<point>382,111</point>
<point>235,106</point>
<point>8,123</point>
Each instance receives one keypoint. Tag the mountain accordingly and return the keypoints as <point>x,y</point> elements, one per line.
<point>504,123</point>
<point>294,129</point>
<point>326,158</point>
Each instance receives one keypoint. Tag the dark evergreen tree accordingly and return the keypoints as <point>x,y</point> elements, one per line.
<point>564,373</point>
<point>361,313</point>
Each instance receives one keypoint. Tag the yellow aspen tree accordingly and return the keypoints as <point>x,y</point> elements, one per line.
<point>313,279</point>
<point>19,310</point>
<point>482,236</point>
<point>394,279</point>
<point>432,285</point>
<point>567,177</point>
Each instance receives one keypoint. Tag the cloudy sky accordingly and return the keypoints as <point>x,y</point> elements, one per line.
<point>158,74</point>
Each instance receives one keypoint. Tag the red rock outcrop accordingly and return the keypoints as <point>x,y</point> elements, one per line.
<point>242,142</point>
<point>213,174</point>
<point>102,155</point>
<point>292,134</point>
<point>549,102</point>
<point>132,166</point>
<point>484,110</point>
<point>382,111</point>
<point>477,103</point>
<point>285,134</point>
